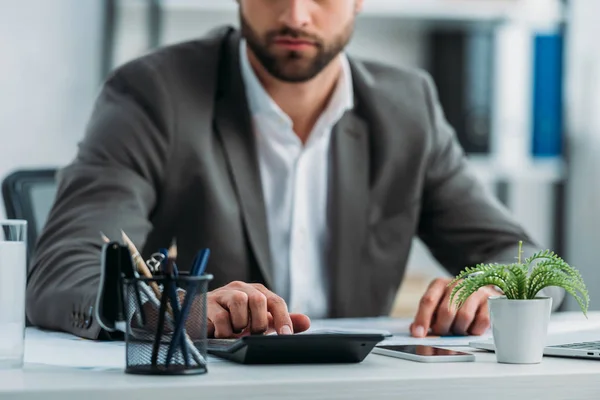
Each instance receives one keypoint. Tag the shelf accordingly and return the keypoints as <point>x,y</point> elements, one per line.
<point>446,10</point>
<point>548,171</point>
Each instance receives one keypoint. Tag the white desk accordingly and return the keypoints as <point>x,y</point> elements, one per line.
<point>378,377</point>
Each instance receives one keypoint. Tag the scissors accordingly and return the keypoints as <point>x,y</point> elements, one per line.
<point>154,262</point>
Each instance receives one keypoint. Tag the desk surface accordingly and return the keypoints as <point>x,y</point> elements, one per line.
<point>377,377</point>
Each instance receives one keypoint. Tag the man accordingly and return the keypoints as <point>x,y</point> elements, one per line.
<point>306,172</point>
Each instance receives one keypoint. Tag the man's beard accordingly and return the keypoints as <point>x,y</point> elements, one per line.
<point>293,66</point>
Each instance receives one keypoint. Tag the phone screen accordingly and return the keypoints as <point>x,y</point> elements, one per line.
<point>421,350</point>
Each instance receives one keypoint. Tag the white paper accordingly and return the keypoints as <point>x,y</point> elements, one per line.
<point>560,323</point>
<point>397,327</point>
<point>443,341</point>
<point>377,324</point>
<point>64,350</point>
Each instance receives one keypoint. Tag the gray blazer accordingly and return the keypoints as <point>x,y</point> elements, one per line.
<point>169,152</point>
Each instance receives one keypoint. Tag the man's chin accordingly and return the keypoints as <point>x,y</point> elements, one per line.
<point>292,74</point>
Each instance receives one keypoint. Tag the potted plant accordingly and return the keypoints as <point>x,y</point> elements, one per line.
<point>520,317</point>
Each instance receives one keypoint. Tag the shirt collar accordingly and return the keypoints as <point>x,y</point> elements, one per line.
<point>260,102</point>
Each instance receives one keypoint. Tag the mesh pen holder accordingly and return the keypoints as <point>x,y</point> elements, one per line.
<point>166,325</point>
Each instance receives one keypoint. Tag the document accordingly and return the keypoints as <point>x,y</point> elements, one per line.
<point>384,325</point>
<point>65,350</point>
<point>396,328</point>
<point>441,341</point>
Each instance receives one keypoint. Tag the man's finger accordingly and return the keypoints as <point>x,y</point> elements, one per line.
<point>445,315</point>
<point>427,306</point>
<point>219,318</point>
<point>300,322</point>
<point>466,315</point>
<point>278,308</point>
<point>482,318</point>
<point>257,304</point>
<point>236,302</point>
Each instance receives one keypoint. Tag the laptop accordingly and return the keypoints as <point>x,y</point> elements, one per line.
<point>574,345</point>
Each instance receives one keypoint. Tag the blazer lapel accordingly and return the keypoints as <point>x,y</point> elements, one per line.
<point>359,147</point>
<point>349,197</point>
<point>234,126</point>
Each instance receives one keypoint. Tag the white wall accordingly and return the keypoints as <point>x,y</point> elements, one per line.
<point>49,71</point>
<point>583,92</point>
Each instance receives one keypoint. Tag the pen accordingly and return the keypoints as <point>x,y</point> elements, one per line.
<point>198,268</point>
<point>171,273</point>
<point>163,263</point>
<point>161,322</point>
<point>156,297</point>
<point>200,263</point>
<point>198,358</point>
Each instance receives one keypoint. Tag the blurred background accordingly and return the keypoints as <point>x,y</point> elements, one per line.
<point>519,81</point>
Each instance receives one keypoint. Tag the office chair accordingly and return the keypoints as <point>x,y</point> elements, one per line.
<point>29,195</point>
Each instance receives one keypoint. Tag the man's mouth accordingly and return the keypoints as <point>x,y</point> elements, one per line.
<point>293,43</point>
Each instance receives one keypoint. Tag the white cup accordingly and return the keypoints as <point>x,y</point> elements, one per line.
<point>13,276</point>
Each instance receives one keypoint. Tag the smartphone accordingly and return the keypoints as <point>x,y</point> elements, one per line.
<point>423,353</point>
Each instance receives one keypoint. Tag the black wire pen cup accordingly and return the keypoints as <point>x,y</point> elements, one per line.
<point>166,324</point>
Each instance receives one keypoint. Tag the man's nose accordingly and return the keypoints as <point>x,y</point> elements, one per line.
<point>296,13</point>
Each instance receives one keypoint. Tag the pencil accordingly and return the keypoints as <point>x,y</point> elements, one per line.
<point>105,239</point>
<point>143,268</point>
<point>137,258</point>
<point>172,253</point>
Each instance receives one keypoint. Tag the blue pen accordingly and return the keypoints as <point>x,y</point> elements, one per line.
<point>197,270</point>
<point>170,269</point>
<point>163,263</point>
<point>159,333</point>
<point>200,263</point>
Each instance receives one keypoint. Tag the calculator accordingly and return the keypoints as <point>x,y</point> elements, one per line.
<point>303,348</point>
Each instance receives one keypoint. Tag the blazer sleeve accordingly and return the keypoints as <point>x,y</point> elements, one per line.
<point>110,185</point>
<point>461,222</point>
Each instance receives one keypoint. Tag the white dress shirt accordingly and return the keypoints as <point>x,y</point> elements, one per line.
<point>294,182</point>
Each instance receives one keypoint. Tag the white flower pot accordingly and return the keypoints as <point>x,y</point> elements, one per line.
<point>520,328</point>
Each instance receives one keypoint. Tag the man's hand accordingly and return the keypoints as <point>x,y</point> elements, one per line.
<point>472,319</point>
<point>241,308</point>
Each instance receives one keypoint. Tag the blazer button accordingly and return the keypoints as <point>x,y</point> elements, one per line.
<point>86,322</point>
<point>88,318</point>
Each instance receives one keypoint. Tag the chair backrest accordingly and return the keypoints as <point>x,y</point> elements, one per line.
<point>29,195</point>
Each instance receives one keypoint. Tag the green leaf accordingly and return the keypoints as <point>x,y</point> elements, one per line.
<point>521,280</point>
<point>560,274</point>
<point>478,277</point>
<point>569,288</point>
<point>519,277</point>
<point>556,262</point>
